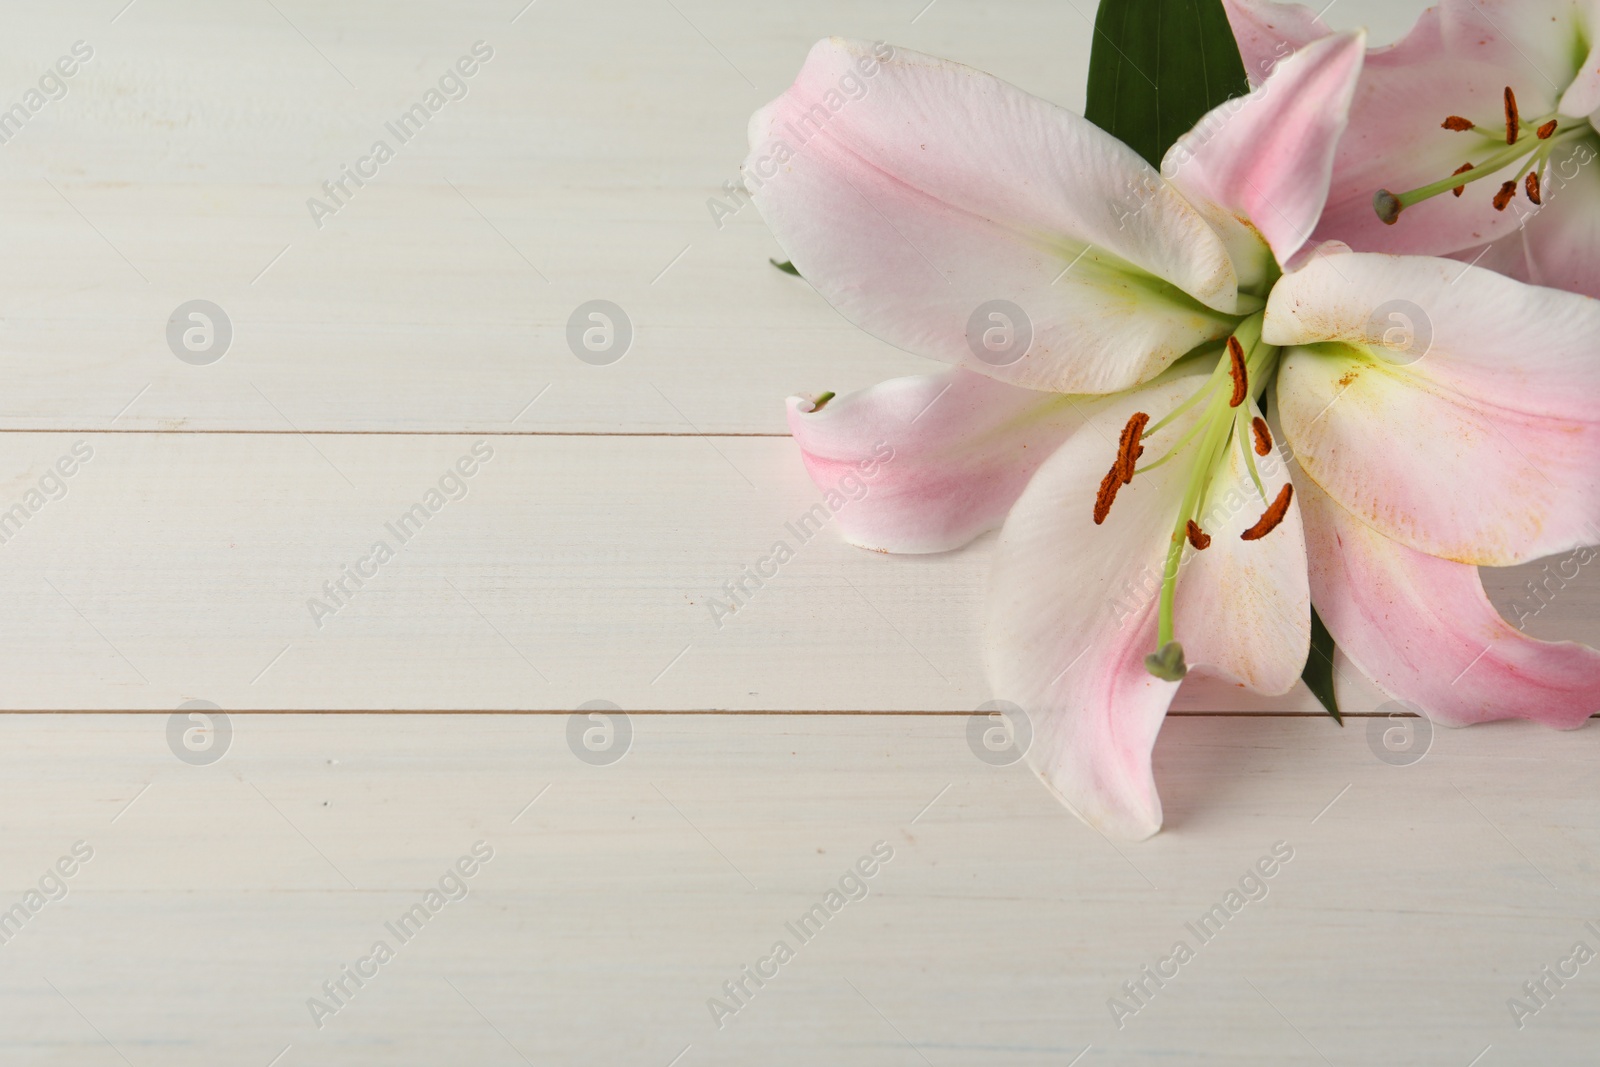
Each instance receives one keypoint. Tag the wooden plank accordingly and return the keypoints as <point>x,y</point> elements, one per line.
<point>430,314</point>
<point>188,566</point>
<point>180,163</point>
<point>1417,901</point>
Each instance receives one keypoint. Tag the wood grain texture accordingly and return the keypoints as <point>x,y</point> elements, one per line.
<point>1418,899</point>
<point>428,316</point>
<point>185,566</point>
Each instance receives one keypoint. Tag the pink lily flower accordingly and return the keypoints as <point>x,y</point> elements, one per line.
<point>914,193</point>
<point>1492,101</point>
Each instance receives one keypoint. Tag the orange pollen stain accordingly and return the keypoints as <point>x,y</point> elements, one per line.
<point>1272,516</point>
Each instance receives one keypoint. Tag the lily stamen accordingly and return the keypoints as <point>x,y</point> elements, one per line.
<point>1532,187</point>
<point>1123,468</point>
<point>1272,516</point>
<point>1236,370</point>
<point>1108,493</point>
<point>1263,435</point>
<point>1536,150</point>
<point>1223,421</point>
<point>1128,448</point>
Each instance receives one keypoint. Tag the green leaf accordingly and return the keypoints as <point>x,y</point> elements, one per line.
<point>1318,674</point>
<point>1157,66</point>
<point>786,266</point>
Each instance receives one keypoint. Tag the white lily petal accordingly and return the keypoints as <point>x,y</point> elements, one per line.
<point>1073,609</point>
<point>927,463</point>
<point>1422,629</point>
<point>1485,449</point>
<point>913,193</point>
<point>1267,32</point>
<point>1243,608</point>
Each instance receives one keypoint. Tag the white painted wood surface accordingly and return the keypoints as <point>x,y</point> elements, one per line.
<point>421,320</point>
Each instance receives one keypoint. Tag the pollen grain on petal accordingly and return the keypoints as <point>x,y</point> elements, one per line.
<point>1272,516</point>
<point>1532,186</point>
<point>1458,190</point>
<point>1263,435</point>
<point>1456,123</point>
<point>1544,132</point>
<point>1513,121</point>
<point>1198,537</point>
<point>1503,197</point>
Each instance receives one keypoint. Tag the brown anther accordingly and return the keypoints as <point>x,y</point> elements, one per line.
<point>1503,197</point>
<point>1263,435</point>
<point>1532,186</point>
<point>1198,537</point>
<point>1272,516</point>
<point>1241,381</point>
<point>1108,492</point>
<point>1128,448</point>
<point>1458,190</point>
<point>1457,123</point>
<point>1121,473</point>
<point>1546,130</point>
<point>1513,122</point>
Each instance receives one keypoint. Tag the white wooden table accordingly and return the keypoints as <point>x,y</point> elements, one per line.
<point>427,317</point>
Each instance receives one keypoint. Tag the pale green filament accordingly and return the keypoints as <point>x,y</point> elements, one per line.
<point>1242,431</point>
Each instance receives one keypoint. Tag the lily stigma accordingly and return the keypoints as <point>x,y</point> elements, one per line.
<point>1244,365</point>
<point>1498,148</point>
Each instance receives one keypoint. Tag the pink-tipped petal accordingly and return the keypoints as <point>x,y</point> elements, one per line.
<point>1243,609</point>
<point>914,193</point>
<point>1423,630</point>
<point>1456,411</point>
<point>1073,608</point>
<point>1268,32</point>
<point>1266,158</point>
<point>927,463</point>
